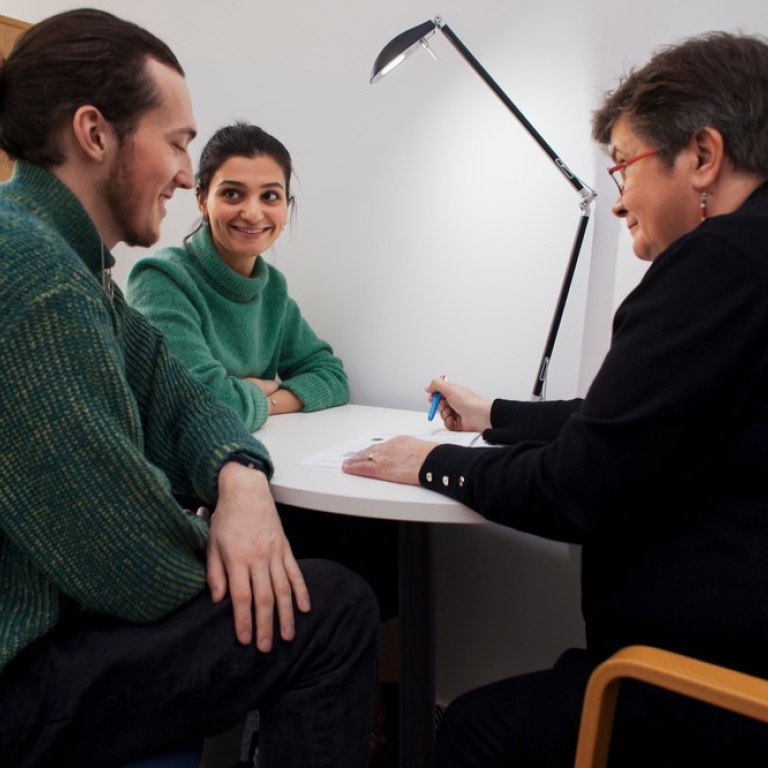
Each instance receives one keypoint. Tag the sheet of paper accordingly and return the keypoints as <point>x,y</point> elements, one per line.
<point>335,455</point>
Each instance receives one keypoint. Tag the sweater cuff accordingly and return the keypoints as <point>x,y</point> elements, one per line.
<point>444,471</point>
<point>515,421</point>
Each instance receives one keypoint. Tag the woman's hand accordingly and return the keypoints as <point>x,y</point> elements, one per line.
<point>397,460</point>
<point>461,409</point>
<point>267,386</point>
<point>278,400</point>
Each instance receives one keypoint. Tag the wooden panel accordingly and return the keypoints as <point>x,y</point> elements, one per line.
<point>10,29</point>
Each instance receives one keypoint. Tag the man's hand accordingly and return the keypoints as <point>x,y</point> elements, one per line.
<point>249,556</point>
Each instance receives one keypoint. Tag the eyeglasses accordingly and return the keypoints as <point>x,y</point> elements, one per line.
<point>617,171</point>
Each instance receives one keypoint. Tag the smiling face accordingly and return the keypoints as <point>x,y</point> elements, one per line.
<point>152,162</point>
<point>660,203</point>
<point>247,207</point>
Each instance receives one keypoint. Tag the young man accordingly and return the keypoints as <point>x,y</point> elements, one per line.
<point>110,645</point>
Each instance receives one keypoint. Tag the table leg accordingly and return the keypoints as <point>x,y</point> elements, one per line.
<point>417,646</point>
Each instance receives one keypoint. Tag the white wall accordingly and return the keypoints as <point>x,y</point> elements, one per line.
<point>432,233</point>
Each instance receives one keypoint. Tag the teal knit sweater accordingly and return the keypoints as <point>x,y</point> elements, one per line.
<point>98,425</point>
<point>224,326</point>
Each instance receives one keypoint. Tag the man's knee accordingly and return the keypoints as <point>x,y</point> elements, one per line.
<point>336,590</point>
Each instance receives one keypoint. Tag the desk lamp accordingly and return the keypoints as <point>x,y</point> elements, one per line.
<point>402,46</point>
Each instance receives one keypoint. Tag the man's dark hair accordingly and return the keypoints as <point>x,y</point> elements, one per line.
<point>69,60</point>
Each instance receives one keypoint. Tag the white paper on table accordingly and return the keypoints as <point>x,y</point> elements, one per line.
<point>334,456</point>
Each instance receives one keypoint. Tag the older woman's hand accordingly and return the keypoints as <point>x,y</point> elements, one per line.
<point>397,460</point>
<point>461,409</point>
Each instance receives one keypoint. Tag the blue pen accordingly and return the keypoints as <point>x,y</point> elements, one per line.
<point>436,397</point>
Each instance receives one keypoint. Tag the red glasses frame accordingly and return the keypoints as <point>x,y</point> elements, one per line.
<point>616,172</point>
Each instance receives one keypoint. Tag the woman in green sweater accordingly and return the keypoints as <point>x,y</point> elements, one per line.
<point>225,311</point>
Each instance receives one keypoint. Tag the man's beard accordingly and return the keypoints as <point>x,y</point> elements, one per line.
<point>120,191</point>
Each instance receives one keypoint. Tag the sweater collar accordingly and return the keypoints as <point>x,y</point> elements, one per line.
<point>53,202</point>
<point>227,282</point>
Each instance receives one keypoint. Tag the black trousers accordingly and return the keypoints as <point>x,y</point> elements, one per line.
<point>532,720</point>
<point>97,691</point>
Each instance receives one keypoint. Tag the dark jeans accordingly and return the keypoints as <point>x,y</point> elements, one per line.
<point>97,691</point>
<point>531,721</point>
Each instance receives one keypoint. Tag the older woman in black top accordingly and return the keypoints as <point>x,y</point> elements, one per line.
<point>661,471</point>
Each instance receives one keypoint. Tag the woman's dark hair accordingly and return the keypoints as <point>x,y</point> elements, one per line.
<point>717,80</point>
<point>69,60</point>
<point>241,140</point>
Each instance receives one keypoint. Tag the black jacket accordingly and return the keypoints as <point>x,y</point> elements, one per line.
<point>661,472</point>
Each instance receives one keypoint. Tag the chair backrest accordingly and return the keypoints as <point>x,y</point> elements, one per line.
<point>722,687</point>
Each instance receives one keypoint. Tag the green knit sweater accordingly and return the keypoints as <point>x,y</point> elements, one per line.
<point>98,425</point>
<point>224,326</point>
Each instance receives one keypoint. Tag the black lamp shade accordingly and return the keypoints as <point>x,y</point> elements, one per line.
<point>399,48</point>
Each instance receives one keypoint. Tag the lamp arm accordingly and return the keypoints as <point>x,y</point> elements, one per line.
<point>539,386</point>
<point>586,192</point>
<point>587,195</point>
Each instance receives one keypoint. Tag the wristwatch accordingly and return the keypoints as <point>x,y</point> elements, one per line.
<point>241,457</point>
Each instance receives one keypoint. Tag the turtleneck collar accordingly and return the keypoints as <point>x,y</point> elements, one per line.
<point>53,202</point>
<point>227,282</point>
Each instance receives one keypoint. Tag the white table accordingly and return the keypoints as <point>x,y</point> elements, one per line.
<point>298,435</point>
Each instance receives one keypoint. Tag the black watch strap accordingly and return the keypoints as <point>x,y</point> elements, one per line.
<point>241,457</point>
